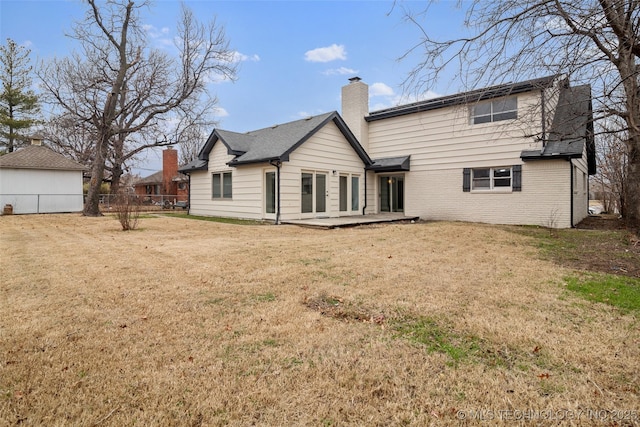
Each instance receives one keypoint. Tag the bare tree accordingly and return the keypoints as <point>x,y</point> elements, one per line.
<point>69,137</point>
<point>593,41</point>
<point>124,90</point>
<point>612,160</point>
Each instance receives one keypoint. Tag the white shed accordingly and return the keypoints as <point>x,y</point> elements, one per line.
<point>36,179</point>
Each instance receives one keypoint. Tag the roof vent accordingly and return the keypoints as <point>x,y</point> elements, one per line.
<point>36,140</point>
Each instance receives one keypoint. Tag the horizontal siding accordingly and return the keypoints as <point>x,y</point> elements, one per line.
<point>247,201</point>
<point>444,138</point>
<point>326,151</point>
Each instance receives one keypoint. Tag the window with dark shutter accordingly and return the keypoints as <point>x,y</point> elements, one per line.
<point>495,179</point>
<point>517,178</point>
<point>466,179</point>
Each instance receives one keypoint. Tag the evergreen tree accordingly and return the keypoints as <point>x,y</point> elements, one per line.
<point>18,103</point>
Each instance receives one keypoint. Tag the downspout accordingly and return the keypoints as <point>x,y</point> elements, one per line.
<point>571,210</point>
<point>189,196</point>
<point>277,165</point>
<point>544,119</point>
<point>364,206</point>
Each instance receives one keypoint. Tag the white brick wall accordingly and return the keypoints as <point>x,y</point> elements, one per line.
<point>544,199</point>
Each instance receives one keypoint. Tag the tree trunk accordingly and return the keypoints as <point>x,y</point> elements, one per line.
<point>632,187</point>
<point>116,174</point>
<point>92,204</point>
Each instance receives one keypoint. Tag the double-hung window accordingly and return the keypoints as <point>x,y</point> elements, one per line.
<point>221,185</point>
<point>495,110</point>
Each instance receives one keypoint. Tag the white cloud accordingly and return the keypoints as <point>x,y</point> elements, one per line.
<point>380,89</point>
<point>241,57</point>
<point>220,112</point>
<point>326,54</point>
<point>339,71</point>
<point>159,35</point>
<point>388,98</point>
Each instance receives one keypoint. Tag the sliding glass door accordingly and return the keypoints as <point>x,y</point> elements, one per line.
<point>391,190</point>
<point>313,192</point>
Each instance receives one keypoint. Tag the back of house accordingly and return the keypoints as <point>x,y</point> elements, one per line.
<point>518,153</point>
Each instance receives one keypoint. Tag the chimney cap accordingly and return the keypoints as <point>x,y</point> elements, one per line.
<point>355,79</point>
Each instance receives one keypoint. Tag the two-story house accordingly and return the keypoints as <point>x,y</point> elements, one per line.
<point>516,153</point>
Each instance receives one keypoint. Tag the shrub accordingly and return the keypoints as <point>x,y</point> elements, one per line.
<point>127,208</point>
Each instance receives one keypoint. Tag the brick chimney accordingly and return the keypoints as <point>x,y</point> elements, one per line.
<point>355,106</point>
<point>169,171</point>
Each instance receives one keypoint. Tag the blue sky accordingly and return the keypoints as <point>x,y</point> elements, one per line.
<point>295,55</point>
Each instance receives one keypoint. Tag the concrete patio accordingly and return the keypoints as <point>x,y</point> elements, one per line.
<point>352,221</point>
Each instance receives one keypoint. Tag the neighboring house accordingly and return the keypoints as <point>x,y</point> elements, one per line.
<point>510,154</point>
<point>35,179</point>
<point>167,185</point>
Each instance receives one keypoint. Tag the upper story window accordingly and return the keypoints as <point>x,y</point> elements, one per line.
<point>495,110</point>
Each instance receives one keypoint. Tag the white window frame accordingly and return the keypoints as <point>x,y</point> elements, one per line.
<point>221,190</point>
<point>494,181</point>
<point>496,113</point>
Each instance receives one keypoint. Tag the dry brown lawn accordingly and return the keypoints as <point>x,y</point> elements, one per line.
<point>187,322</point>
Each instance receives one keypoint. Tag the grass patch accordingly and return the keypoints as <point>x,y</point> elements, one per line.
<point>434,337</point>
<point>438,337</point>
<point>619,291</point>
<point>216,219</point>
<point>268,297</point>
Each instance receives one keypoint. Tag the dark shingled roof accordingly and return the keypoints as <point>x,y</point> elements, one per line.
<point>156,178</point>
<point>572,129</point>
<point>274,143</point>
<point>38,157</point>
<point>390,164</point>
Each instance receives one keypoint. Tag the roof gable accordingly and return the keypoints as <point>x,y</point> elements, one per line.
<point>571,131</point>
<point>274,143</point>
<point>38,157</point>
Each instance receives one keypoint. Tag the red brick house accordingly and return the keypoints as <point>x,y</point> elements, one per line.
<point>167,185</point>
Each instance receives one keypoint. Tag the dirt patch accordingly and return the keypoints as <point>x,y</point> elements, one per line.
<point>601,243</point>
<point>602,222</point>
<point>337,308</point>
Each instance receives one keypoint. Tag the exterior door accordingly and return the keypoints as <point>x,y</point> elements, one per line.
<point>344,193</point>
<point>313,193</point>
<point>391,193</point>
<point>270,193</point>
